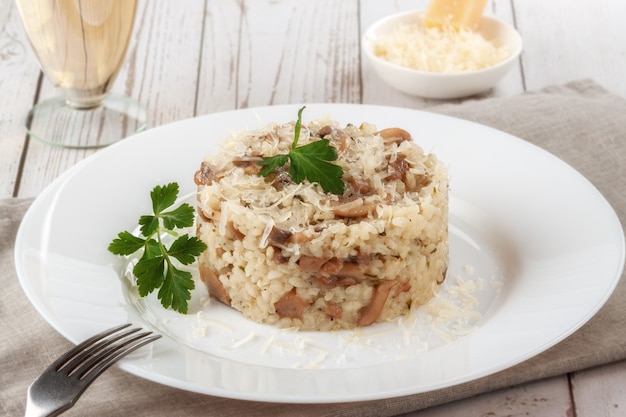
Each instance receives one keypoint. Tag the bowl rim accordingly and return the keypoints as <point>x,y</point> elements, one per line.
<point>370,31</point>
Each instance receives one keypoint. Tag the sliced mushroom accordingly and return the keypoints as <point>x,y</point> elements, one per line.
<point>278,256</point>
<point>334,281</point>
<point>330,267</point>
<point>212,281</point>
<point>234,231</point>
<point>356,271</point>
<point>333,311</point>
<point>205,175</point>
<point>246,161</point>
<point>360,186</point>
<point>203,216</point>
<point>362,259</point>
<point>399,167</point>
<point>278,236</point>
<point>333,267</point>
<point>370,313</point>
<point>312,264</point>
<point>333,272</point>
<point>337,136</point>
<point>353,208</point>
<point>394,134</point>
<point>290,305</point>
<point>326,130</point>
<point>280,178</point>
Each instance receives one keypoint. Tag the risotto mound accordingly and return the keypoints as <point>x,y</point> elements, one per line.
<point>292,255</point>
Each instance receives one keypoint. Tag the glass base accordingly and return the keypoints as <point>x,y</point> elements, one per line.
<point>56,123</point>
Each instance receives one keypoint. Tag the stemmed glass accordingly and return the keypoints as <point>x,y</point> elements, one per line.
<point>81,45</point>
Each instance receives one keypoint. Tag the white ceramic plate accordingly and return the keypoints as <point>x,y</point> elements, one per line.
<point>535,252</point>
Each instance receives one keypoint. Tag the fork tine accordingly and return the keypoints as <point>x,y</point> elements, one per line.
<point>89,350</point>
<point>101,362</point>
<point>78,349</point>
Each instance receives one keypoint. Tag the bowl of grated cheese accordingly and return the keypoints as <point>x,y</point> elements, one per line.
<point>440,63</point>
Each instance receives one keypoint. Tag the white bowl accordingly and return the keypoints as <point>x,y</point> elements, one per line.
<point>438,85</point>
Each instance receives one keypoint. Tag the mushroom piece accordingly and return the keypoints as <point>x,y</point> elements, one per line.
<point>212,281</point>
<point>353,208</point>
<point>338,136</point>
<point>278,236</point>
<point>290,305</point>
<point>246,161</point>
<point>329,273</point>
<point>333,311</point>
<point>279,178</point>
<point>205,175</point>
<point>327,267</point>
<point>334,281</point>
<point>370,313</point>
<point>399,167</point>
<point>312,264</point>
<point>360,186</point>
<point>394,134</point>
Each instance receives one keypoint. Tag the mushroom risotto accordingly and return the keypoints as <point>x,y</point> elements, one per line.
<point>292,255</point>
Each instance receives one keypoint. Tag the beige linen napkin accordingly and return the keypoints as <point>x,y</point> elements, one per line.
<point>579,122</point>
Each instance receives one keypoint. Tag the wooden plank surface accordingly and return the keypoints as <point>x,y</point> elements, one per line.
<point>219,60</point>
<point>595,46</point>
<point>600,391</point>
<point>19,76</point>
<point>546,398</point>
<point>308,53</point>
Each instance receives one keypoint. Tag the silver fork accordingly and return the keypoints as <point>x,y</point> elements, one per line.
<point>58,388</point>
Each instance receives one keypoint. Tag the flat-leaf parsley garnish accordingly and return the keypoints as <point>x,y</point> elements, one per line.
<point>310,162</point>
<point>156,268</point>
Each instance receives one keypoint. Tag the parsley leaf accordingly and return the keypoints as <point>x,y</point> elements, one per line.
<point>272,162</point>
<point>126,244</point>
<point>156,268</point>
<point>185,249</point>
<point>176,289</point>
<point>310,162</point>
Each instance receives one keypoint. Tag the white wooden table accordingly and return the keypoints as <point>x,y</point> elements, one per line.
<point>195,57</point>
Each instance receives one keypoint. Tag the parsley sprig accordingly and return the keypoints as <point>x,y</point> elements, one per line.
<point>310,162</point>
<point>156,268</point>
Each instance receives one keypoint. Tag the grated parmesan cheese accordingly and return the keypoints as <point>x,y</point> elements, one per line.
<point>444,50</point>
<point>243,341</point>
